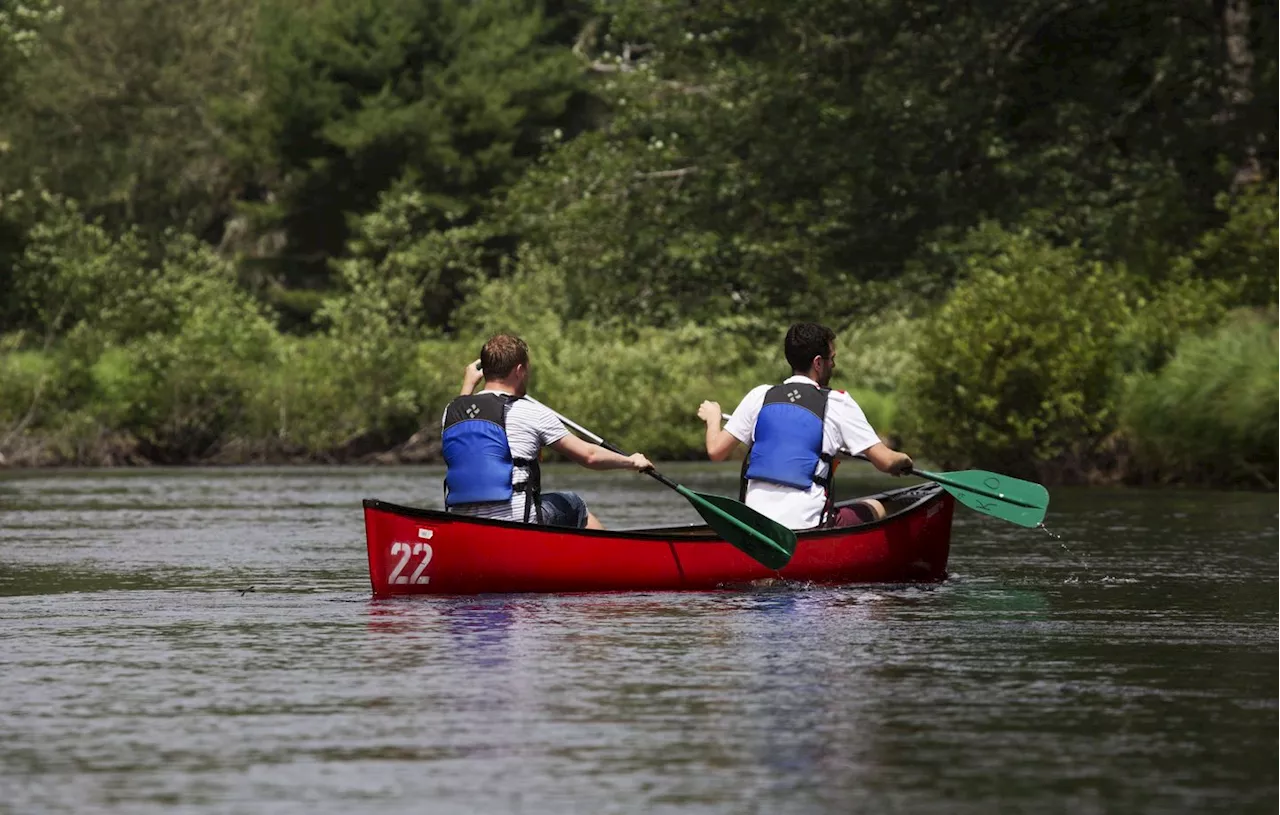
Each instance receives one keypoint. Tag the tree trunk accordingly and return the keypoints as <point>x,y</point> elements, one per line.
<point>1237,92</point>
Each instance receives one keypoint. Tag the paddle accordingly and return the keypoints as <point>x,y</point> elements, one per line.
<point>767,541</point>
<point>1000,496</point>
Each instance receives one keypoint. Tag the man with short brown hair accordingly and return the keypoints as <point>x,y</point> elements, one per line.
<point>492,440</point>
<point>501,354</point>
<point>794,431</point>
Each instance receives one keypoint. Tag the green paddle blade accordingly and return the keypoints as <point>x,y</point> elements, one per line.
<point>764,539</point>
<point>1000,496</point>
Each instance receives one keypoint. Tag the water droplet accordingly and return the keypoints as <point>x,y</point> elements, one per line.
<point>1065,548</point>
<point>1053,535</point>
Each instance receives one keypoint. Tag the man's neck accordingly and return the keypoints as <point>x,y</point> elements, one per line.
<point>809,375</point>
<point>498,386</point>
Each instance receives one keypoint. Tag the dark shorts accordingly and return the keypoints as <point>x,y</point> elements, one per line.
<point>564,509</point>
<point>853,515</point>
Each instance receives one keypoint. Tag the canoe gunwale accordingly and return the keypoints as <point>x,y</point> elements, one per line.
<point>928,492</point>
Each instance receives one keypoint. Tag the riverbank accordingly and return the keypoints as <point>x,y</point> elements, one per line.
<point>1113,465</point>
<point>124,450</point>
<point>994,397</point>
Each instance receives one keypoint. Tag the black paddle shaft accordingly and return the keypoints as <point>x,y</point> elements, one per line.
<point>650,472</point>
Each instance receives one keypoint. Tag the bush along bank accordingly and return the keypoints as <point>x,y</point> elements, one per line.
<point>1058,410</point>
<point>1037,361</point>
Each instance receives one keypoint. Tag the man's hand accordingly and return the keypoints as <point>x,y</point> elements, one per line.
<point>471,376</point>
<point>710,413</point>
<point>888,460</point>
<point>639,463</point>
<point>902,466</point>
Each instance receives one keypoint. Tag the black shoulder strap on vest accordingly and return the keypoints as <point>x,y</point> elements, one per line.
<point>810,397</point>
<point>485,407</point>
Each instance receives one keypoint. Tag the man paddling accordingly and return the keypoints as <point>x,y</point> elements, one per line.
<point>492,439</point>
<point>794,431</point>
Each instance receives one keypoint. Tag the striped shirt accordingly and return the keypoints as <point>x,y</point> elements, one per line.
<point>530,427</point>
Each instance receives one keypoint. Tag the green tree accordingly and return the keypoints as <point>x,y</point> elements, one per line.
<point>773,156</point>
<point>450,99</point>
<point>115,113</point>
<point>21,22</point>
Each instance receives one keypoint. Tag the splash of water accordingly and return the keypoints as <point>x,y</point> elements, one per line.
<point>1064,546</point>
<point>1053,535</point>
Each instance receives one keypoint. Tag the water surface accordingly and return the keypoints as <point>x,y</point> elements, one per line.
<point>203,641</point>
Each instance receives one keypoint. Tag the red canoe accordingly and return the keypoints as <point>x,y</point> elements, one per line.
<point>423,551</point>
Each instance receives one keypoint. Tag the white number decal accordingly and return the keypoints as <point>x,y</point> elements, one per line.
<point>397,548</point>
<point>425,550</point>
<point>407,550</point>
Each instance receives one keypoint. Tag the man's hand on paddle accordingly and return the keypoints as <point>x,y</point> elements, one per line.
<point>888,460</point>
<point>471,376</point>
<point>720,443</point>
<point>639,463</point>
<point>710,413</point>
<point>902,466</point>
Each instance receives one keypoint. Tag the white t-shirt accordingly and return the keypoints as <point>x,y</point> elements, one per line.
<point>845,426</point>
<point>530,427</point>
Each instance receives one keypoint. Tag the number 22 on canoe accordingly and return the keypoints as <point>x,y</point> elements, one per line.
<point>762,538</point>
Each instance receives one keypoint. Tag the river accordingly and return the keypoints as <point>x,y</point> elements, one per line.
<point>204,641</point>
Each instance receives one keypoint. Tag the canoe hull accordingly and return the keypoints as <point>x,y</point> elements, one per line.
<point>421,551</point>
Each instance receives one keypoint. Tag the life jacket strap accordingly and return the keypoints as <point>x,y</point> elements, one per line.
<point>531,487</point>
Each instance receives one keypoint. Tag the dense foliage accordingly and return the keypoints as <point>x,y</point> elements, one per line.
<point>251,229</point>
<point>1020,364</point>
<point>1209,415</point>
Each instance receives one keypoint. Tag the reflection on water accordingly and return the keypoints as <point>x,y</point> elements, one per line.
<point>140,676</point>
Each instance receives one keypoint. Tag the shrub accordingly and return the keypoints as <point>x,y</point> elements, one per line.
<point>331,395</point>
<point>74,273</point>
<point>1018,367</point>
<point>1210,415</point>
<point>876,353</point>
<point>156,341</point>
<point>199,381</point>
<point>29,380</point>
<point>1241,252</point>
<point>1172,309</point>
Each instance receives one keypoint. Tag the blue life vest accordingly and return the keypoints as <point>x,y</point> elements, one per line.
<point>787,443</point>
<point>478,454</point>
